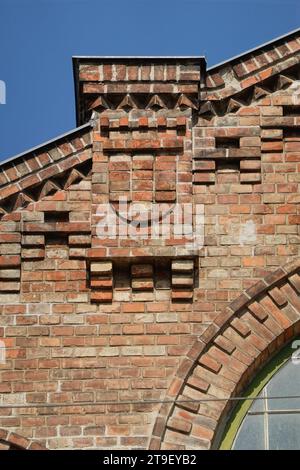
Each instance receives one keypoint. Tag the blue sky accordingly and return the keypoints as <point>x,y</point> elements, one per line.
<point>39,37</point>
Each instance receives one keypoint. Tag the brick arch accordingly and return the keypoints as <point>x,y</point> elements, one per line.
<point>225,358</point>
<point>12,441</point>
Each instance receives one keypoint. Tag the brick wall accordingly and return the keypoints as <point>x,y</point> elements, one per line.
<point>95,329</point>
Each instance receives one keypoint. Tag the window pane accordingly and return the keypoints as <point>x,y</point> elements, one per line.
<point>251,434</point>
<point>286,382</point>
<point>262,428</point>
<point>257,405</point>
<point>284,431</point>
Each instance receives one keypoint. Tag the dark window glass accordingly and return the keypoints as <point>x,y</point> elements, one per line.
<point>246,438</point>
<point>284,431</point>
<point>274,423</point>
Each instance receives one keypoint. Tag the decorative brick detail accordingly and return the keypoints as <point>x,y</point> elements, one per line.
<point>142,154</point>
<point>152,84</point>
<point>10,259</point>
<point>225,359</point>
<point>264,70</point>
<point>66,161</point>
<point>103,328</point>
<point>182,279</point>
<point>142,277</point>
<point>232,157</point>
<point>101,280</point>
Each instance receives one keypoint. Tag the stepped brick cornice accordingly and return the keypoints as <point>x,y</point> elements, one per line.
<point>44,169</point>
<point>136,83</point>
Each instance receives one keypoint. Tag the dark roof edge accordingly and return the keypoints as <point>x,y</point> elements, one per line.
<point>239,56</point>
<point>76,88</point>
<point>138,58</point>
<point>44,144</point>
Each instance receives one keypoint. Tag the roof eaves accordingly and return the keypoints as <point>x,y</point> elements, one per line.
<point>44,144</point>
<point>139,58</point>
<point>239,56</point>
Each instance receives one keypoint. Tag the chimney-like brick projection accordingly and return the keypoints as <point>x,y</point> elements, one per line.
<point>99,330</point>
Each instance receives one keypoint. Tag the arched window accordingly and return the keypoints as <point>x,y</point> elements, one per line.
<point>272,420</point>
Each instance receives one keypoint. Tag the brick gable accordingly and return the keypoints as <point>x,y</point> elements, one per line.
<point>104,329</point>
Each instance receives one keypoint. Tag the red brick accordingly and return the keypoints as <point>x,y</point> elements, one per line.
<point>210,363</point>
<point>83,335</point>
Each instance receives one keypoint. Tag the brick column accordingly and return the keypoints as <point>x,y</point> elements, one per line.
<point>142,153</point>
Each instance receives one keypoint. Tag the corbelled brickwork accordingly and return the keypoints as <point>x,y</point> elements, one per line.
<point>224,360</point>
<point>100,330</point>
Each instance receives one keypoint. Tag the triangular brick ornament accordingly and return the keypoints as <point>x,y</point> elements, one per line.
<point>22,201</point>
<point>207,109</point>
<point>260,92</point>
<point>127,103</point>
<point>233,105</point>
<point>99,103</point>
<point>184,102</point>
<point>2,212</point>
<point>156,103</point>
<point>85,169</point>
<point>49,188</point>
<point>284,81</point>
<point>74,177</point>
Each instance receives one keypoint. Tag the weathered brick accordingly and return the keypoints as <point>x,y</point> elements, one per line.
<point>99,322</point>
